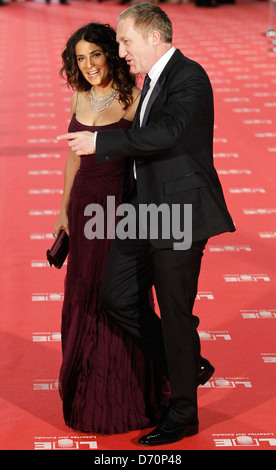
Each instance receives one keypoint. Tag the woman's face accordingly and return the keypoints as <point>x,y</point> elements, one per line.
<point>92,63</point>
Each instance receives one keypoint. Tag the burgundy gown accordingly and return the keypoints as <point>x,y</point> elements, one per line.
<point>106,384</point>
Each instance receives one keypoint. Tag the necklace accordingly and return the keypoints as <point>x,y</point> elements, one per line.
<point>100,104</point>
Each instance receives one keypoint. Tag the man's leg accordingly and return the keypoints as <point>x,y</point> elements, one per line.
<point>176,279</point>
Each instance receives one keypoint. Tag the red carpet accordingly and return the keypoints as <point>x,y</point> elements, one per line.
<point>237,296</point>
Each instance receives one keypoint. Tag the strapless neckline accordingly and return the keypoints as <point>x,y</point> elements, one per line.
<point>102,126</point>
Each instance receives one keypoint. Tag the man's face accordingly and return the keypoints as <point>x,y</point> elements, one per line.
<point>136,49</point>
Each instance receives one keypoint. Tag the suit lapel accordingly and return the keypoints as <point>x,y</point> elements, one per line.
<point>153,97</point>
<point>160,83</point>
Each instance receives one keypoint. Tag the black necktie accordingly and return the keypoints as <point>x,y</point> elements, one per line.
<point>136,122</point>
<point>145,88</point>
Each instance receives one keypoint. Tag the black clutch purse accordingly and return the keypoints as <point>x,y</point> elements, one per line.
<point>60,249</point>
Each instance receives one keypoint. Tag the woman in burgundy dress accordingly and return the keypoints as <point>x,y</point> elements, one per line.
<point>106,383</point>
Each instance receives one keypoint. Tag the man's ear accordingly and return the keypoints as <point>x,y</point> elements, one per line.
<point>155,38</point>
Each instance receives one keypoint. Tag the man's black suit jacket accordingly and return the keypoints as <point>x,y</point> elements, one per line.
<point>173,150</point>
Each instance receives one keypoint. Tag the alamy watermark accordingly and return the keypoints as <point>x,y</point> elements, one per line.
<point>147,223</point>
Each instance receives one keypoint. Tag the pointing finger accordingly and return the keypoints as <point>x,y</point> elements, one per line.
<point>70,135</point>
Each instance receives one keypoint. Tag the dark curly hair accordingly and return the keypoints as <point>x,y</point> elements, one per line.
<point>103,36</point>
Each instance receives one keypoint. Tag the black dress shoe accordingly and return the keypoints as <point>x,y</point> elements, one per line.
<point>167,432</point>
<point>206,371</point>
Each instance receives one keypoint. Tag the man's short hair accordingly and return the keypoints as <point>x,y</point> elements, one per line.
<point>147,18</point>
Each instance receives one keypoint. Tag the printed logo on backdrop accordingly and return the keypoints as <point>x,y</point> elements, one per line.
<point>35,156</point>
<point>227,90</point>
<point>41,115</point>
<point>45,191</point>
<point>48,297</point>
<point>246,110</point>
<point>267,234</point>
<point>265,134</point>
<point>41,236</point>
<point>46,337</point>
<point>247,190</point>
<point>269,358</point>
<point>214,335</point>
<point>228,248</point>
<point>46,385</point>
<point>41,141</point>
<point>236,100</point>
<point>234,172</point>
<point>39,85</point>
<point>42,263</point>
<point>226,155</point>
<point>260,211</point>
<point>41,127</point>
<point>246,277</point>
<point>237,382</point>
<point>222,140</point>
<point>205,295</point>
<point>58,297</point>
<point>257,121</point>
<point>44,172</point>
<point>44,212</point>
<point>42,105</point>
<point>255,85</point>
<point>65,443</point>
<point>260,314</point>
<point>262,440</point>
<point>40,94</point>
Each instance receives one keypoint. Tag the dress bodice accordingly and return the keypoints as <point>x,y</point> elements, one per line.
<point>88,162</point>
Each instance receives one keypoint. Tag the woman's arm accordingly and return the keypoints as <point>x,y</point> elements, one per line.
<point>71,167</point>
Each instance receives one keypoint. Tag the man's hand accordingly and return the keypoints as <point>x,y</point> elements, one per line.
<point>82,143</point>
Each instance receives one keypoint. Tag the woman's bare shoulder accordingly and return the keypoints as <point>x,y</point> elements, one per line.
<point>77,99</point>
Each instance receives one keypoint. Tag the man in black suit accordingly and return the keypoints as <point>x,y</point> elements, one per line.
<point>171,144</point>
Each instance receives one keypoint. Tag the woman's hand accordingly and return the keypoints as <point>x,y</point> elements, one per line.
<point>61,223</point>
